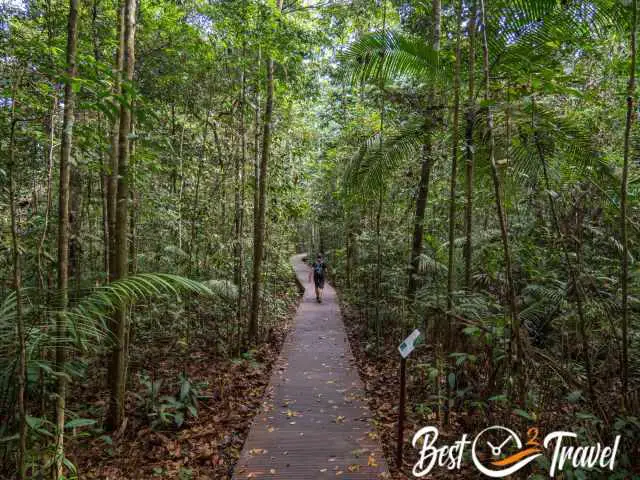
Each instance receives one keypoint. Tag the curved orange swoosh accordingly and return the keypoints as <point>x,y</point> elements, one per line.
<point>515,457</point>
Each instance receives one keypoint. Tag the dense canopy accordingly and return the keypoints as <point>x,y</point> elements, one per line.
<point>467,167</point>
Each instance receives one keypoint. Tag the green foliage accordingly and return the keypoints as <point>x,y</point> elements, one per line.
<point>165,410</point>
<point>382,57</point>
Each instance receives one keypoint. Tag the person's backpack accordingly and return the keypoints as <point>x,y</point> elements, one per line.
<point>318,268</point>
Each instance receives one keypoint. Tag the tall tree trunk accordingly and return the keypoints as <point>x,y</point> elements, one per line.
<point>112,178</point>
<point>21,372</point>
<point>119,354</point>
<point>573,273</point>
<point>239,203</point>
<point>425,169</point>
<point>75,217</point>
<point>256,144</point>
<point>47,212</point>
<point>624,280</point>
<point>193,248</point>
<point>454,173</point>
<point>511,293</point>
<point>63,233</point>
<point>377,281</point>
<point>448,340</point>
<point>134,197</point>
<point>181,189</point>
<point>470,149</point>
<point>259,220</point>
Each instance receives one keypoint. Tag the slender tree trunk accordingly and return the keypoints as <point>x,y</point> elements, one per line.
<point>239,202</point>
<point>511,293</point>
<point>193,249</point>
<point>21,373</point>
<point>259,224</point>
<point>624,280</point>
<point>574,277</point>
<point>112,179</point>
<point>470,149</point>
<point>47,212</point>
<point>181,189</point>
<point>377,281</point>
<point>256,144</point>
<point>75,217</point>
<point>134,198</point>
<point>425,170</point>
<point>63,233</point>
<point>448,341</point>
<point>454,173</point>
<point>119,354</point>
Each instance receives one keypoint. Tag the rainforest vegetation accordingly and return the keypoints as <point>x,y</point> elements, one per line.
<point>468,167</point>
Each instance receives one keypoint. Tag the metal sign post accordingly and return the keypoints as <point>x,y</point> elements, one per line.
<point>405,348</point>
<point>403,367</point>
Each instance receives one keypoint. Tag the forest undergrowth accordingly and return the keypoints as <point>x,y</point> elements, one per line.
<point>191,412</point>
<point>426,397</point>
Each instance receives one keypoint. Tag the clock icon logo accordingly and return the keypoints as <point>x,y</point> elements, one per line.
<point>498,451</point>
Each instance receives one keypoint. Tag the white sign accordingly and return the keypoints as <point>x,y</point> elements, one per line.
<point>408,345</point>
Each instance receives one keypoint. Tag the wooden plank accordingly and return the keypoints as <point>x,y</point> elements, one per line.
<point>314,422</point>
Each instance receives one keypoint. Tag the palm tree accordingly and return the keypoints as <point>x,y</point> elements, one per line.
<point>520,44</point>
<point>85,325</point>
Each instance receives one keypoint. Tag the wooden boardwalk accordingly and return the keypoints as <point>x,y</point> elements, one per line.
<point>314,422</point>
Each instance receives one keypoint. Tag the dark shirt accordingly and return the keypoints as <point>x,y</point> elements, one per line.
<point>319,269</point>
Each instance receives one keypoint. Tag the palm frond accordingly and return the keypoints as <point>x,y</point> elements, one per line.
<point>387,56</point>
<point>557,295</point>
<point>87,321</point>
<point>8,309</point>
<point>537,28</point>
<point>103,300</point>
<point>370,169</point>
<point>223,288</point>
<point>427,264</point>
<point>475,305</point>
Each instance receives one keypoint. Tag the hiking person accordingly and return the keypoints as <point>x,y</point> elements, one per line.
<point>318,270</point>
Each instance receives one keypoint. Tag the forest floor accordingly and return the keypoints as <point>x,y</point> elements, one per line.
<point>381,381</point>
<point>380,375</point>
<point>206,446</point>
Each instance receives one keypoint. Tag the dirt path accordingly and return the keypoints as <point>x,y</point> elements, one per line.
<point>314,422</point>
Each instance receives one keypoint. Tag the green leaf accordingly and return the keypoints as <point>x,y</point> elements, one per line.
<point>70,465</point>
<point>79,422</point>
<point>575,396</point>
<point>498,398</point>
<point>178,419</point>
<point>523,414</point>
<point>185,387</point>
<point>36,424</point>
<point>380,57</point>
